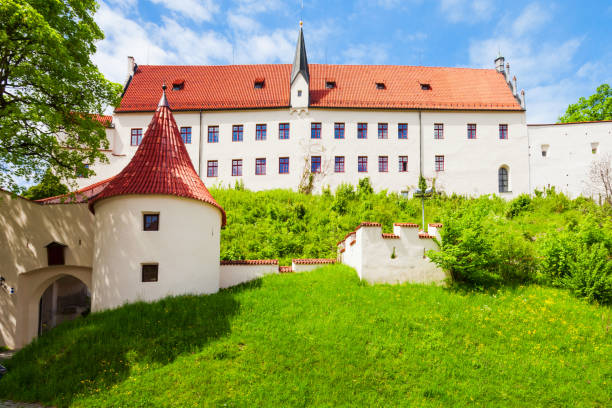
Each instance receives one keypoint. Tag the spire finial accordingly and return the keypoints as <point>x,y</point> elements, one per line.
<point>301,23</point>
<point>163,101</point>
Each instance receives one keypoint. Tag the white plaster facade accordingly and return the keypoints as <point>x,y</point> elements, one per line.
<point>185,248</point>
<point>570,150</point>
<point>232,274</point>
<point>470,165</point>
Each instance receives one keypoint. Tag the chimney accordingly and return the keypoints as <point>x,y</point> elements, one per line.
<point>523,98</point>
<point>514,87</point>
<point>499,64</point>
<point>507,72</point>
<point>131,66</point>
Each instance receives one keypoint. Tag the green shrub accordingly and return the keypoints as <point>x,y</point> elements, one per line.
<point>590,274</point>
<point>518,205</point>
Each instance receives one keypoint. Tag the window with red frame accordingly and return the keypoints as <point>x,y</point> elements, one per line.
<point>438,130</point>
<point>362,164</point>
<point>439,163</point>
<point>315,130</point>
<point>503,131</point>
<point>338,130</point>
<point>237,167</point>
<point>260,132</point>
<point>471,129</point>
<point>362,131</point>
<point>383,130</point>
<point>136,137</point>
<point>315,164</point>
<point>339,164</point>
<point>403,164</point>
<point>283,165</point>
<point>212,168</point>
<point>237,133</point>
<point>402,131</point>
<point>213,134</point>
<point>283,131</point>
<point>260,167</point>
<point>186,134</point>
<point>383,164</point>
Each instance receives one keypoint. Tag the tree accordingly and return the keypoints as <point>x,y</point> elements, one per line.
<point>47,83</point>
<point>49,186</point>
<point>600,178</point>
<point>597,107</point>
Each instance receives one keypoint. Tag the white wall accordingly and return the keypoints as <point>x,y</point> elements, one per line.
<point>233,274</point>
<point>186,247</point>
<point>470,165</point>
<point>310,266</point>
<point>569,156</point>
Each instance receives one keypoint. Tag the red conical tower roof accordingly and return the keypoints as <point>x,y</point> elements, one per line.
<point>161,165</point>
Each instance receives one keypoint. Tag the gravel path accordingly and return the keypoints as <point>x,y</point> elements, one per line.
<point>13,404</point>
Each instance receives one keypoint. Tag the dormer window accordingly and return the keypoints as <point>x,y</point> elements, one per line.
<point>425,87</point>
<point>259,83</point>
<point>380,85</point>
<point>178,84</point>
<point>330,84</point>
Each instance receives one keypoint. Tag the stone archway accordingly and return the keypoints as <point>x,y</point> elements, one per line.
<point>31,288</point>
<point>65,299</point>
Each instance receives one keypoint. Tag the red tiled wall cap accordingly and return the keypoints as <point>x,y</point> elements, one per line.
<point>250,262</point>
<point>390,236</point>
<point>435,225</point>
<point>405,224</point>
<point>313,261</point>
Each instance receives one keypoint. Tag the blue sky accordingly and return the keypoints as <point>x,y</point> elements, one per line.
<point>559,51</point>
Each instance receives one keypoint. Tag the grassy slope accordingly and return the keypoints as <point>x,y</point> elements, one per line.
<point>324,339</point>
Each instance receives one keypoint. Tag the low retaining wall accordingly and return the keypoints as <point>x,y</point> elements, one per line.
<point>233,273</point>
<point>303,265</point>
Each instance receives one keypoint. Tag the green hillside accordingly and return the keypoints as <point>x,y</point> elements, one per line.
<point>325,339</point>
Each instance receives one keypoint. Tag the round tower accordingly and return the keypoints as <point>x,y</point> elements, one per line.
<point>157,228</point>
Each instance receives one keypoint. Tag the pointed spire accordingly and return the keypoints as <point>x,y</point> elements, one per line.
<point>163,101</point>
<point>300,61</point>
<point>161,165</point>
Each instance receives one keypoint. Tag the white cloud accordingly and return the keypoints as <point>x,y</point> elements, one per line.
<point>197,10</point>
<point>366,54</point>
<point>266,48</point>
<point>240,22</point>
<point>532,18</point>
<point>261,6</point>
<point>468,11</point>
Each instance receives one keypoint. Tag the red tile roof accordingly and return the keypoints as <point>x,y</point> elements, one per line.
<point>405,224</point>
<point>161,165</point>
<point>313,261</point>
<point>250,262</point>
<point>231,87</point>
<point>105,120</point>
<point>80,196</point>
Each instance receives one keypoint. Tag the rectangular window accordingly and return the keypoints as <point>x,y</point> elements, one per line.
<point>237,167</point>
<point>136,137</point>
<point>260,132</point>
<point>283,131</point>
<point>315,130</point>
<point>339,164</point>
<point>402,131</point>
<point>383,130</point>
<point>383,164</point>
<point>439,163</point>
<point>438,130</point>
<point>471,128</point>
<point>212,168</point>
<point>403,164</point>
<point>362,164</point>
<point>283,165</point>
<point>362,131</point>
<point>186,134</point>
<point>213,134</point>
<point>338,130</point>
<point>150,222</point>
<point>503,131</point>
<point>260,167</point>
<point>315,164</point>
<point>150,272</point>
<point>237,132</point>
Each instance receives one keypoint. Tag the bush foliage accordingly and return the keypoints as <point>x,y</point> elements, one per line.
<point>486,241</point>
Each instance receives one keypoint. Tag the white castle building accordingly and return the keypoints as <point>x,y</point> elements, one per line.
<point>275,126</point>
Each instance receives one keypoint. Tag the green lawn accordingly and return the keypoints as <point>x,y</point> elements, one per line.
<point>325,339</point>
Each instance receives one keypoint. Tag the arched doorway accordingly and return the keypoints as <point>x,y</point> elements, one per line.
<point>64,299</point>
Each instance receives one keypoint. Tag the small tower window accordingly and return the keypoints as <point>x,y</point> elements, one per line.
<point>150,272</point>
<point>330,84</point>
<point>299,92</point>
<point>151,222</point>
<point>259,83</point>
<point>545,150</point>
<point>380,85</point>
<point>594,147</point>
